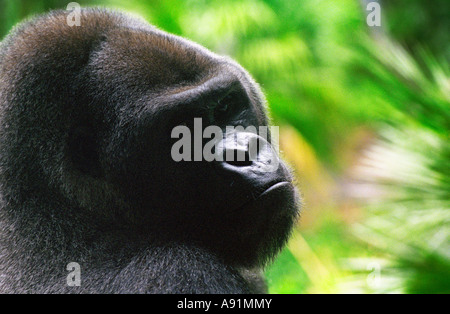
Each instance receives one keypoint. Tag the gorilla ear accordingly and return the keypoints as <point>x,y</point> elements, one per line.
<point>82,150</point>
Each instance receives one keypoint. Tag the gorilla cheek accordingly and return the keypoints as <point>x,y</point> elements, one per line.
<point>83,150</point>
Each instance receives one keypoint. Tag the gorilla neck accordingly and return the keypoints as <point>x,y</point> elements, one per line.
<point>39,247</point>
<point>53,229</point>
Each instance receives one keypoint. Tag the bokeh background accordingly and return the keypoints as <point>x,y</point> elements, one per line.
<point>364,118</point>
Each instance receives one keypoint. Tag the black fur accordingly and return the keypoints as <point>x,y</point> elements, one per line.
<point>86,174</point>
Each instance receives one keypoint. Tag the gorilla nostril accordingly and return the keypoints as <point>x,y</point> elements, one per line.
<point>243,163</point>
<point>238,158</point>
<point>240,163</point>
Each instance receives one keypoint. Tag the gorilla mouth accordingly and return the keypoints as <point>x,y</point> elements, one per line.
<point>279,201</point>
<point>278,196</point>
<point>275,186</point>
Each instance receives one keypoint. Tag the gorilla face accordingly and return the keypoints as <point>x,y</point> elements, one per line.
<point>101,102</point>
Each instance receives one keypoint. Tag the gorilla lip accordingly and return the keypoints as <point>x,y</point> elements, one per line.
<point>279,194</point>
<point>274,187</point>
<point>283,187</point>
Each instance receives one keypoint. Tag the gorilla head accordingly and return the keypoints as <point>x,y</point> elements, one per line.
<point>86,170</point>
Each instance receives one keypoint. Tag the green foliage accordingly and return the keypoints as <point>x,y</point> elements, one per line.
<point>415,22</point>
<point>410,224</point>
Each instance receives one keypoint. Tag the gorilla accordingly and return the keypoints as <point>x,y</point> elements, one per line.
<point>86,173</point>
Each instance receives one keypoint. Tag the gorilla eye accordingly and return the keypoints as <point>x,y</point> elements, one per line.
<point>220,111</point>
<point>225,108</point>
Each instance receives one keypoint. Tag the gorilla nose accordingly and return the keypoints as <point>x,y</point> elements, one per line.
<point>250,159</point>
<point>248,150</point>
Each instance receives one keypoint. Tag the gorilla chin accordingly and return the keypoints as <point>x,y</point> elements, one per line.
<point>86,170</point>
<point>278,205</point>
